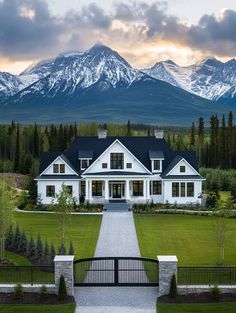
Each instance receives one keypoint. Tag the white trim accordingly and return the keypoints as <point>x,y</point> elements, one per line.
<point>59,178</point>
<point>117,140</point>
<point>59,157</point>
<point>182,173</point>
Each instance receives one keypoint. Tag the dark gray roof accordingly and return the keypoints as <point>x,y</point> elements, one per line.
<point>138,146</point>
<point>173,177</point>
<point>156,154</point>
<point>117,173</point>
<point>61,177</point>
<point>85,154</point>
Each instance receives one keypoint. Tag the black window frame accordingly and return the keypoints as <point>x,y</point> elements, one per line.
<point>87,164</point>
<point>104,165</point>
<point>154,165</point>
<point>117,161</point>
<point>156,187</point>
<point>182,190</point>
<point>69,189</point>
<point>56,168</point>
<point>129,165</point>
<point>182,168</point>
<point>62,168</point>
<point>175,190</point>
<point>190,189</point>
<point>138,184</point>
<point>50,191</point>
<point>97,188</point>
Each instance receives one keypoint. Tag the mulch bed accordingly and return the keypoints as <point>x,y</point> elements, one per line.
<point>32,298</point>
<point>204,297</point>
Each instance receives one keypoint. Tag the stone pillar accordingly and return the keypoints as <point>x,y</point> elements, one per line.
<point>167,267</point>
<point>106,190</point>
<point>127,190</point>
<point>64,266</point>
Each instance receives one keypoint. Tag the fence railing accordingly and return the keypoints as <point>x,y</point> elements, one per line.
<point>206,275</point>
<point>27,274</point>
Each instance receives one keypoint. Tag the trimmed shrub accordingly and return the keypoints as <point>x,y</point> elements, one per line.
<point>173,287</point>
<point>215,292</point>
<point>43,293</point>
<point>71,249</point>
<point>62,292</point>
<point>18,291</point>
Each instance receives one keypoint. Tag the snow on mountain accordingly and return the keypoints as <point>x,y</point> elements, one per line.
<point>9,85</point>
<point>208,78</point>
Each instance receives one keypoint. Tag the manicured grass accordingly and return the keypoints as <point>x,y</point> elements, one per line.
<point>192,238</point>
<point>197,308</point>
<point>29,308</point>
<point>16,259</point>
<point>83,230</point>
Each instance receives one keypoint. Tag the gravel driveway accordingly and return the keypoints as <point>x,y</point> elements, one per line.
<point>117,238</point>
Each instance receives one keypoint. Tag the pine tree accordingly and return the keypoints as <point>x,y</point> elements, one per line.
<point>201,133</point>
<point>230,139</point>
<point>52,252</point>
<point>36,142</point>
<point>17,150</point>
<point>23,244</point>
<point>128,128</point>
<point>192,136</point>
<point>17,237</point>
<point>10,238</point>
<point>31,247</point>
<point>223,145</point>
<point>39,247</point>
<point>46,252</point>
<point>71,249</point>
<point>62,249</point>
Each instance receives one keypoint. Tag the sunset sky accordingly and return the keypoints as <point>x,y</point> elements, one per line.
<point>143,32</point>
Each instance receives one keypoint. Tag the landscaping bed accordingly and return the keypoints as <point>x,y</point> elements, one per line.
<point>33,298</point>
<point>204,297</point>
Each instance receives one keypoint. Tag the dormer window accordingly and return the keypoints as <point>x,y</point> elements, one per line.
<point>157,165</point>
<point>117,161</point>
<point>84,164</point>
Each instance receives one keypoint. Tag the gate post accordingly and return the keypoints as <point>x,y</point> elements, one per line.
<point>64,265</point>
<point>167,267</point>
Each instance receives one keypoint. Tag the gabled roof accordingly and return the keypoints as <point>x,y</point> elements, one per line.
<point>140,147</point>
<point>156,154</point>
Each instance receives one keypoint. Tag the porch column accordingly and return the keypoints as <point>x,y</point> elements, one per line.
<point>90,190</point>
<point>145,189</point>
<point>86,190</point>
<point>127,190</point>
<point>106,190</point>
<point>148,189</point>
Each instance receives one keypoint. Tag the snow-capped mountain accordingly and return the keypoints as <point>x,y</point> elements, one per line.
<point>100,85</point>
<point>209,78</point>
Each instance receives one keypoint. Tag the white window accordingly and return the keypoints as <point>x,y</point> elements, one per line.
<point>84,164</point>
<point>156,165</point>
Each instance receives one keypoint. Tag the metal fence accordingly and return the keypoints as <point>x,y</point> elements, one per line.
<point>206,275</point>
<point>27,274</point>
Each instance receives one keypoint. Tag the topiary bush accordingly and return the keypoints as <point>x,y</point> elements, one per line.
<point>62,292</point>
<point>43,293</point>
<point>215,292</point>
<point>173,287</point>
<point>18,290</point>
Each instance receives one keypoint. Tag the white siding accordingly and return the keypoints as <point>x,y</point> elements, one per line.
<point>182,200</point>
<point>128,158</point>
<point>42,188</point>
<point>188,169</point>
<point>68,170</point>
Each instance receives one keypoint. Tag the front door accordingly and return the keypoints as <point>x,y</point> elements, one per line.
<point>116,191</point>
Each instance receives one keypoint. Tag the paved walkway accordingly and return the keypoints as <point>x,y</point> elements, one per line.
<point>117,238</point>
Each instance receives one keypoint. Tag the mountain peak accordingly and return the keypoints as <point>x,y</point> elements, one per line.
<point>210,61</point>
<point>98,48</point>
<point>170,62</point>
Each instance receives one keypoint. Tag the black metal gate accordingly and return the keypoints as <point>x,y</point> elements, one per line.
<point>114,271</point>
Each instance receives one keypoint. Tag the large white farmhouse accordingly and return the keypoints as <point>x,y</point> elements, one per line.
<point>134,169</point>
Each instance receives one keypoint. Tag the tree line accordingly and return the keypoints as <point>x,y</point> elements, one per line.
<point>21,145</point>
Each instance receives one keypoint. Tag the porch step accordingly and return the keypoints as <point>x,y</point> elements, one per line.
<point>116,207</point>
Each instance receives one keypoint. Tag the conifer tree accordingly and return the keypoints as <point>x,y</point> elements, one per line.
<point>17,237</point>
<point>39,247</point>
<point>52,252</point>
<point>192,135</point>
<point>46,252</point>
<point>31,247</point>
<point>71,249</point>
<point>23,244</point>
<point>10,238</point>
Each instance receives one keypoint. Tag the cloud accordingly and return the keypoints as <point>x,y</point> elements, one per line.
<point>28,30</point>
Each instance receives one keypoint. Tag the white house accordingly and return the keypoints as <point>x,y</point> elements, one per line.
<point>133,169</point>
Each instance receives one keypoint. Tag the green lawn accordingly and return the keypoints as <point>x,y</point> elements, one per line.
<point>16,259</point>
<point>28,308</point>
<point>83,230</point>
<point>191,238</point>
<point>229,307</point>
